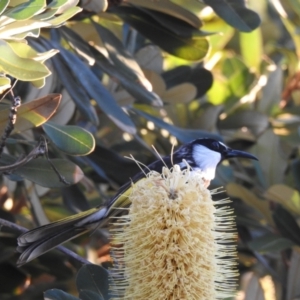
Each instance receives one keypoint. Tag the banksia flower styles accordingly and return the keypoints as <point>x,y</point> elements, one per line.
<point>176,243</point>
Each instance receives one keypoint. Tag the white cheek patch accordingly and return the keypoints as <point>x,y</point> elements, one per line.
<point>206,160</point>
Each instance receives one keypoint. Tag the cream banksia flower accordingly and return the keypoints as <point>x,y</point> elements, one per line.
<point>176,243</point>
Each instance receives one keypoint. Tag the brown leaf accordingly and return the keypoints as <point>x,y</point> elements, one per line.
<point>32,114</point>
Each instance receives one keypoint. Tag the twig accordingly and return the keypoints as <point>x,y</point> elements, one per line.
<point>13,226</point>
<point>37,151</point>
<point>65,250</point>
<point>292,85</point>
<point>16,102</point>
<point>73,255</point>
<point>10,89</point>
<point>40,149</point>
<point>61,178</point>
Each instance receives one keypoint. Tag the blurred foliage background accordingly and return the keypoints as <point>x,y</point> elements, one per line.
<point>137,73</point>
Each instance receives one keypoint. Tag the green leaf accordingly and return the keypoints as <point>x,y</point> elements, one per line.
<point>72,140</point>
<point>97,91</point>
<point>286,224</point>
<point>46,15</point>
<point>288,197</point>
<point>74,199</point>
<point>218,41</point>
<point>293,276</point>
<point>56,294</point>
<point>295,5</point>
<point>254,121</point>
<point>291,27</point>
<point>295,168</point>
<point>252,48</point>
<point>121,58</point>
<point>70,4</point>
<point>238,75</point>
<point>33,113</point>
<point>89,295</point>
<point>270,243</point>
<point>18,67</point>
<point>65,111</point>
<point>291,59</point>
<point>95,279</point>
<point>235,14</point>
<point>209,120</point>
<point>4,84</point>
<point>16,28</point>
<point>187,48</point>
<point>75,90</point>
<point>39,83</point>
<point>64,16</point>
<point>25,51</point>
<point>272,157</point>
<point>57,3</point>
<point>183,135</point>
<point>26,10</point>
<point>234,84</point>
<point>235,190</point>
<point>35,33</point>
<point>14,3</point>
<point>172,24</point>
<point>170,8</point>
<point>3,5</point>
<point>184,74</point>
<point>40,171</point>
<point>136,90</point>
<point>271,93</point>
<point>219,92</point>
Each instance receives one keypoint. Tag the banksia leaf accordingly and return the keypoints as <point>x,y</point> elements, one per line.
<point>176,243</point>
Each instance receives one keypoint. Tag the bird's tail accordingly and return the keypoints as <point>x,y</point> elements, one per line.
<point>35,242</point>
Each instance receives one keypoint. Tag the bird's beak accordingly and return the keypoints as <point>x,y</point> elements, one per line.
<point>236,153</point>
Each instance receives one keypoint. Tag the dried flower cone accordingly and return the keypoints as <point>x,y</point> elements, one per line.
<point>176,243</point>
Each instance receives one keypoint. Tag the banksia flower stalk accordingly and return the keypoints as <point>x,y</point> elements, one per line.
<point>176,243</point>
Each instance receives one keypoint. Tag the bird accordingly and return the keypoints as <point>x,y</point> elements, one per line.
<point>202,154</point>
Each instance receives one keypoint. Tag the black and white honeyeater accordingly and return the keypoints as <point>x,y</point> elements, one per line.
<point>201,154</point>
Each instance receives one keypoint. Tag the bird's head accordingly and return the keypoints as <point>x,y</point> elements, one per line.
<point>210,146</point>
<point>208,153</point>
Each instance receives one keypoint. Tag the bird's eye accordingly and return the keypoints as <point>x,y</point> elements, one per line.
<point>215,146</point>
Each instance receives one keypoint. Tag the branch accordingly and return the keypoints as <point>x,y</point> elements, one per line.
<point>12,118</point>
<point>34,153</point>
<point>65,250</point>
<point>39,150</point>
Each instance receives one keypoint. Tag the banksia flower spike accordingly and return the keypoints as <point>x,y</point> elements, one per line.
<point>176,243</point>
